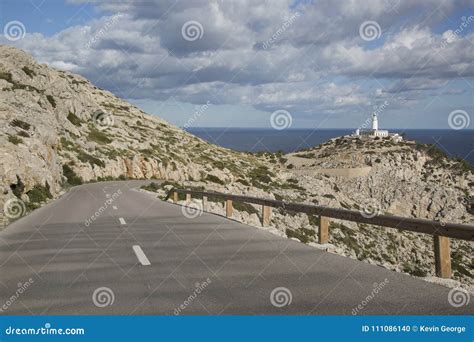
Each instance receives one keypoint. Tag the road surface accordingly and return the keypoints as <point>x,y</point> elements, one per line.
<point>142,256</point>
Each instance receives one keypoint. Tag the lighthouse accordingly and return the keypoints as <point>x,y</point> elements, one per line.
<point>375,132</point>
<point>375,122</point>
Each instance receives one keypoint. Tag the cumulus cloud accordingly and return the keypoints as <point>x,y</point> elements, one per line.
<point>308,56</point>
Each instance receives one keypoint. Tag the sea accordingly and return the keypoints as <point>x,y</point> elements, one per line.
<point>455,143</point>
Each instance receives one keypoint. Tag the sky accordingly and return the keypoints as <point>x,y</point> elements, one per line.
<point>275,63</point>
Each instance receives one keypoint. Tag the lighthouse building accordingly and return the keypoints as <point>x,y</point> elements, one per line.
<point>375,131</point>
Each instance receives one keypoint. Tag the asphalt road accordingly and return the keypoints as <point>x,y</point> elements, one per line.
<point>142,256</point>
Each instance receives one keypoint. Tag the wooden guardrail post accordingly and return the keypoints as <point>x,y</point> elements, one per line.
<point>323,232</point>
<point>188,198</point>
<point>442,256</point>
<point>228,208</point>
<point>266,212</point>
<point>175,197</point>
<point>204,203</point>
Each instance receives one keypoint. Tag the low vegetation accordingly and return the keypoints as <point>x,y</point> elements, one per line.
<point>71,176</point>
<point>74,119</point>
<point>98,136</point>
<point>15,140</point>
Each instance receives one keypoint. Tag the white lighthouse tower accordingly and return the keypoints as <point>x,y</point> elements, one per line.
<point>375,122</point>
<point>375,131</point>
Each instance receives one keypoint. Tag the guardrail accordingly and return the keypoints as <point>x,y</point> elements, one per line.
<point>440,231</point>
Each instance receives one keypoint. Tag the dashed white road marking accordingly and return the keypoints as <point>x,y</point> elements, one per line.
<point>107,195</point>
<point>122,221</point>
<point>141,256</point>
<point>114,207</point>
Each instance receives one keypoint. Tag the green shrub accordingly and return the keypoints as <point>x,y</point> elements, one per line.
<point>51,100</point>
<point>71,176</point>
<point>242,206</point>
<point>21,124</point>
<point>303,234</point>
<point>214,179</point>
<point>74,119</point>
<point>28,71</point>
<point>99,137</point>
<point>6,76</point>
<point>15,140</point>
<point>18,187</point>
<point>39,193</point>
<point>305,155</point>
<point>87,158</point>
<point>154,187</point>
<point>243,181</point>
<point>24,134</point>
<point>261,174</point>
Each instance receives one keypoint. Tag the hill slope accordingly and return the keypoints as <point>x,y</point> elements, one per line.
<point>58,127</point>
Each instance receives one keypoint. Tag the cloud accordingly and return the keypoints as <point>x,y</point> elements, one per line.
<point>307,56</point>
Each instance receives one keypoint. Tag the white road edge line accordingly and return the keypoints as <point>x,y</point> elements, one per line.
<point>141,256</point>
<point>115,208</point>
<point>122,221</point>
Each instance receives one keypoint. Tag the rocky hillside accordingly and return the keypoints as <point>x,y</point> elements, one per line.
<point>57,130</point>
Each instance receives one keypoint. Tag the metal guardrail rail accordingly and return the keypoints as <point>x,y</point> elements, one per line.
<point>440,231</point>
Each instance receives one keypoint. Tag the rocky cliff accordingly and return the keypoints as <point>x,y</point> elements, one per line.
<point>58,129</point>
